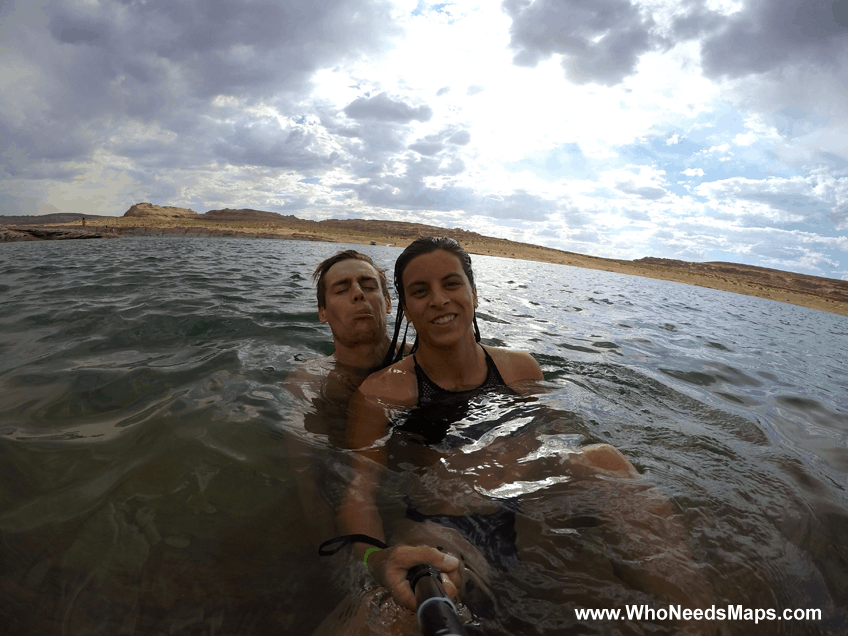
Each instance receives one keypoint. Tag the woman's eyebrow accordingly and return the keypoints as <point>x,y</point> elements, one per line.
<point>424,282</point>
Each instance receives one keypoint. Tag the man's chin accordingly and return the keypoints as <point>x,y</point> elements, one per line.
<point>370,336</point>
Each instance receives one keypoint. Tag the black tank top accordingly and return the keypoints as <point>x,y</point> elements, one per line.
<point>429,423</point>
<point>431,393</point>
<point>438,409</point>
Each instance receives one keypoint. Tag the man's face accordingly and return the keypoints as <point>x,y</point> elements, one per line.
<point>354,304</point>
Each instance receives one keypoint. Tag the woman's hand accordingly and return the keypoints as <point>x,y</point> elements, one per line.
<point>389,568</point>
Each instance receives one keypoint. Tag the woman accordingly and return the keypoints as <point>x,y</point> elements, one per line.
<point>448,366</point>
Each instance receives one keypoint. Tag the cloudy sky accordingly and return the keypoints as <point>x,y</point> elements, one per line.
<point>696,129</point>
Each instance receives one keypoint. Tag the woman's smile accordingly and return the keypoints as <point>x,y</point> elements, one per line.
<point>443,320</point>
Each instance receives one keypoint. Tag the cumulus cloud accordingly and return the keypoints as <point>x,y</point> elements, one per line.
<point>645,182</point>
<point>810,199</point>
<point>460,138</point>
<point>267,143</point>
<point>766,35</point>
<point>600,40</point>
<point>381,107</point>
<point>517,205</point>
<point>431,145</point>
<point>94,64</point>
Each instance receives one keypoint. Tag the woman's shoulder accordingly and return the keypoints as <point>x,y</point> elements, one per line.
<point>393,386</point>
<point>515,366</point>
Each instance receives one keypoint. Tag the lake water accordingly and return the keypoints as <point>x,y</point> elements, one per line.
<point>145,479</point>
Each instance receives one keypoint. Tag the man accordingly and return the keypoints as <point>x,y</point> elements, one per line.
<point>353,299</point>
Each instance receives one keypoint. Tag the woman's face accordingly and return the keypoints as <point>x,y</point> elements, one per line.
<point>439,301</point>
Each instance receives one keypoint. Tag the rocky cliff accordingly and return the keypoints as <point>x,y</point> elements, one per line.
<point>246,214</point>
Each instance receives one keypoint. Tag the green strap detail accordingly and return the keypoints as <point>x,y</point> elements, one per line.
<point>367,554</point>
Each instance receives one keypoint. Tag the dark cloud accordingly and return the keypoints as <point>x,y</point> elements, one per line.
<point>767,35</point>
<point>92,68</point>
<point>460,138</point>
<point>373,146</point>
<point>788,207</point>
<point>427,148</point>
<point>433,144</point>
<point>570,27</point>
<point>381,107</point>
<point>517,205</point>
<point>635,215</point>
<point>222,46</point>
<point>696,22</point>
<point>266,143</point>
<point>409,193</point>
<point>39,148</point>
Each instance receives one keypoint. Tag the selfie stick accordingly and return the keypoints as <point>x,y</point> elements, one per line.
<point>436,613</point>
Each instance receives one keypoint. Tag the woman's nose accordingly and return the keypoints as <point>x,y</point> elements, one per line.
<point>438,298</point>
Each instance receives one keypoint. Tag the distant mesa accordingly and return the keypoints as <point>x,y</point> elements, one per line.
<point>160,211</point>
<point>149,210</point>
<point>246,214</point>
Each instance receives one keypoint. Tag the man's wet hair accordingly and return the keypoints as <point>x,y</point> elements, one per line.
<point>324,266</point>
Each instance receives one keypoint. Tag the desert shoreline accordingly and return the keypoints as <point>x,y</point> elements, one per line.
<point>807,291</point>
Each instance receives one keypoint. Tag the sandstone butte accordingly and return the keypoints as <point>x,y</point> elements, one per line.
<point>146,219</point>
<point>145,210</point>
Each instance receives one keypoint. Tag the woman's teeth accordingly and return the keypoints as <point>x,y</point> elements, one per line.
<point>444,319</point>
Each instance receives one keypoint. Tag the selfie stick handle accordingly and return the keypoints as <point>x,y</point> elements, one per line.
<point>436,613</point>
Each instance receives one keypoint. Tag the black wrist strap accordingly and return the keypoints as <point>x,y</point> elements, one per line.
<point>331,546</point>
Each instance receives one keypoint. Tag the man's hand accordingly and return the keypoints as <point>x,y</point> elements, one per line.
<point>389,568</point>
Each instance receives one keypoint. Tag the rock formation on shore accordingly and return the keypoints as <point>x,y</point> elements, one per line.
<point>15,234</point>
<point>166,211</point>
<point>47,219</point>
<point>246,214</point>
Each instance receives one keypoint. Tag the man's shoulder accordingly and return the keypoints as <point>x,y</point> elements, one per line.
<point>307,377</point>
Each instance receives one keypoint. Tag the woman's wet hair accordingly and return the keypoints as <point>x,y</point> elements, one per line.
<point>420,246</point>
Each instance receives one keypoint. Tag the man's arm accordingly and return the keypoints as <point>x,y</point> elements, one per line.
<point>359,514</point>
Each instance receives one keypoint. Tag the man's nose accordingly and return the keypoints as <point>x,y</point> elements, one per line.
<point>357,291</point>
